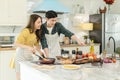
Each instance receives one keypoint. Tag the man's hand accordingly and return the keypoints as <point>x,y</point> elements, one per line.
<point>81,43</point>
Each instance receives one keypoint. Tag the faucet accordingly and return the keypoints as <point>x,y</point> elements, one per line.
<point>113,55</point>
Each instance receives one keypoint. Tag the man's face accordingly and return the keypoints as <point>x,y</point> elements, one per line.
<point>51,22</point>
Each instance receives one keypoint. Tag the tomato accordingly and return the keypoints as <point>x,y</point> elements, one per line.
<point>83,55</point>
<point>114,60</point>
<point>94,58</point>
<point>86,55</point>
<point>90,57</point>
<point>89,54</point>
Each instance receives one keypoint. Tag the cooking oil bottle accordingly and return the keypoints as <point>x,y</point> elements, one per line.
<point>92,47</point>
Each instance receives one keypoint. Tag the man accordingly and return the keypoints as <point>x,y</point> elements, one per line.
<point>51,31</point>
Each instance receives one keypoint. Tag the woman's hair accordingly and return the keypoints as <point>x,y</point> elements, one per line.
<point>31,24</point>
<point>51,14</point>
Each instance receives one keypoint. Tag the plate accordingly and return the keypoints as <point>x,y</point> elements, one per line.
<point>71,66</point>
<point>44,66</point>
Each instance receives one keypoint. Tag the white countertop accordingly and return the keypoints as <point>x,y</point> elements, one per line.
<point>110,71</point>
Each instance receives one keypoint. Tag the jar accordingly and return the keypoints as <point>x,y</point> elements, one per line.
<point>66,54</point>
<point>66,40</point>
<point>79,55</point>
<point>62,52</point>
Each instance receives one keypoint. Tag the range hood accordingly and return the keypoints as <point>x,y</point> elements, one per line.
<point>46,5</point>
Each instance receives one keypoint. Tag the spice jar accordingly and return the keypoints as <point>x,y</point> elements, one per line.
<point>62,52</point>
<point>65,54</point>
<point>73,54</point>
<point>66,40</point>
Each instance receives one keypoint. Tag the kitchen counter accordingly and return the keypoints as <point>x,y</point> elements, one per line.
<point>109,71</point>
<point>5,49</point>
<point>76,45</point>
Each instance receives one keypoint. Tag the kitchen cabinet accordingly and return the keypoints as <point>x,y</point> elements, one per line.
<point>84,49</point>
<point>13,12</point>
<point>6,73</point>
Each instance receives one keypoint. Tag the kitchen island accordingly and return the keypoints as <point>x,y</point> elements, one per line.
<point>32,71</point>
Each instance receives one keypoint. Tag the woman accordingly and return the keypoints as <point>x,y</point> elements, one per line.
<point>28,42</point>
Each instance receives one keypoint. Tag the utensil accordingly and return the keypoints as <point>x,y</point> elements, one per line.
<point>40,57</point>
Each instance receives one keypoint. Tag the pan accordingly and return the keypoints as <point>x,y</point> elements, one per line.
<point>46,60</point>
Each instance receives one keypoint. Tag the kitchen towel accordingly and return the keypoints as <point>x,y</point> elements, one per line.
<point>12,62</point>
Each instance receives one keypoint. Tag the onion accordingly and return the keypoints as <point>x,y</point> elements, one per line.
<point>107,60</point>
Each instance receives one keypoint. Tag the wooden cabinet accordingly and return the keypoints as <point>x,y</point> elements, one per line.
<point>6,73</point>
<point>84,49</point>
<point>13,12</point>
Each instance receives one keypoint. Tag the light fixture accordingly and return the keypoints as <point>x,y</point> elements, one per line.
<point>46,5</point>
<point>86,26</point>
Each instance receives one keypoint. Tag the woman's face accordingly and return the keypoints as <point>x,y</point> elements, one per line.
<point>38,23</point>
<point>51,22</point>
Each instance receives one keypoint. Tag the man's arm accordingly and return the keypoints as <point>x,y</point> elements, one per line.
<point>44,45</point>
<point>46,52</point>
<point>64,31</point>
<point>73,37</point>
<point>69,34</point>
<point>44,42</point>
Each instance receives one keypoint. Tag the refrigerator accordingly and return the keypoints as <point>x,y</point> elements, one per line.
<point>104,27</point>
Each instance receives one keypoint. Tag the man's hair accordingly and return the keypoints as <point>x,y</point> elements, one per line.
<point>51,14</point>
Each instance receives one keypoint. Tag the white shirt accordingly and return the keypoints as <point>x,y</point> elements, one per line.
<point>49,29</point>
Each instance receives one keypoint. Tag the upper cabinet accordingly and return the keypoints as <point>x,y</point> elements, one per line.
<point>13,12</point>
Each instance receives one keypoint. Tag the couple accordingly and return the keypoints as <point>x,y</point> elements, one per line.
<point>47,34</point>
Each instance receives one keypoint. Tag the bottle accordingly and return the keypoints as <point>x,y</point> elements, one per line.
<point>92,47</point>
<point>62,52</point>
<point>80,54</point>
<point>73,54</point>
<point>104,54</point>
<point>77,54</point>
<point>88,40</point>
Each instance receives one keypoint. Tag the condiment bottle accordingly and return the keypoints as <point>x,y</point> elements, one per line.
<point>73,54</point>
<point>80,54</point>
<point>104,54</point>
<point>77,54</point>
<point>62,52</point>
<point>92,47</point>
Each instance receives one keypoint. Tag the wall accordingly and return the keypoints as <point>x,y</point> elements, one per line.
<point>91,6</point>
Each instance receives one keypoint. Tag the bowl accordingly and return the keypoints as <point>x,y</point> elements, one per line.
<point>48,61</point>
